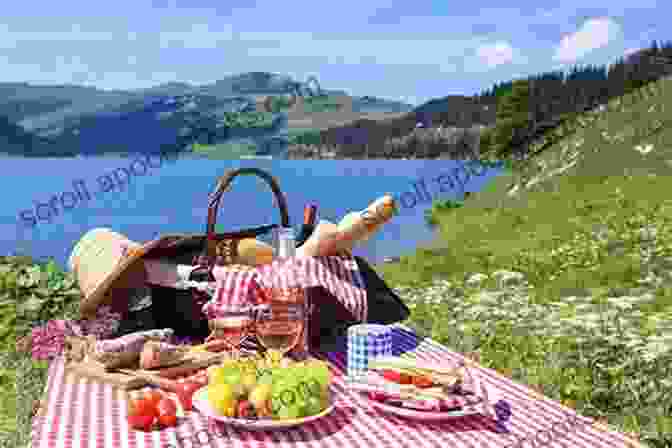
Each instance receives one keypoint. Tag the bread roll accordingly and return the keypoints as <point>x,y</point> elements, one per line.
<point>252,252</point>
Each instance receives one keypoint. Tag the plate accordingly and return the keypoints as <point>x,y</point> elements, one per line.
<point>200,402</point>
<point>425,415</point>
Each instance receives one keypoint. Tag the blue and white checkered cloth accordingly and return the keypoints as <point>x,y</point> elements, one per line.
<point>367,342</point>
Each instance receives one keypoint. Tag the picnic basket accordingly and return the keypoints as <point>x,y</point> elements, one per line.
<point>212,259</point>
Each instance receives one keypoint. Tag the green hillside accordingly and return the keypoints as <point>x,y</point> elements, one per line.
<point>575,251</point>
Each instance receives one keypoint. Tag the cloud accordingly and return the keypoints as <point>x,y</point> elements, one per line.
<point>496,53</point>
<point>593,34</point>
<point>630,51</point>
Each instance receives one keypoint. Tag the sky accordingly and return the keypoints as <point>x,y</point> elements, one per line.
<point>402,50</point>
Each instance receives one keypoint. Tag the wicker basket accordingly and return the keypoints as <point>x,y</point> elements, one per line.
<point>224,251</point>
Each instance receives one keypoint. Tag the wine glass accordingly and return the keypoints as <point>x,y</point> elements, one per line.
<point>232,326</point>
<point>279,326</point>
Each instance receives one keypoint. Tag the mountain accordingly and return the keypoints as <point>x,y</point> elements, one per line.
<point>505,119</point>
<point>71,119</point>
<point>369,104</point>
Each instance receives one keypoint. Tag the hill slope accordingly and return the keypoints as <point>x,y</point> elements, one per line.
<point>560,272</point>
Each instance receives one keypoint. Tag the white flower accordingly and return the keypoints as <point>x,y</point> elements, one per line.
<point>644,149</point>
<point>476,280</point>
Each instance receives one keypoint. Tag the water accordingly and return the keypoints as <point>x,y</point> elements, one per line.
<point>172,197</point>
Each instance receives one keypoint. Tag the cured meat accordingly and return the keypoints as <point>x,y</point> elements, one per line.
<point>160,354</point>
<point>125,350</point>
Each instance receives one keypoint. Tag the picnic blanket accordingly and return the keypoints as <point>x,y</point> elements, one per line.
<point>84,413</point>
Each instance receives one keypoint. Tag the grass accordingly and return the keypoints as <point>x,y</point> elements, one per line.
<point>30,295</point>
<point>588,224</point>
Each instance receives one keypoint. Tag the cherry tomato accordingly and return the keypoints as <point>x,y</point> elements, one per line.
<point>168,420</point>
<point>396,377</point>
<point>166,407</point>
<point>153,396</point>
<point>141,406</point>
<point>422,382</point>
<point>141,422</point>
<point>392,375</point>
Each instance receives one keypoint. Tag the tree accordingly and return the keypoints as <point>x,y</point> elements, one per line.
<point>513,119</point>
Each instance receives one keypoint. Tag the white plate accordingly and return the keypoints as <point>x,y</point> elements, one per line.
<point>425,415</point>
<point>200,402</point>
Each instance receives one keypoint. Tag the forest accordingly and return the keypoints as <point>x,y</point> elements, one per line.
<point>513,113</point>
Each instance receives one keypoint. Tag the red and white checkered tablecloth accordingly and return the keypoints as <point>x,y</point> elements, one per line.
<point>86,414</point>
<point>337,274</point>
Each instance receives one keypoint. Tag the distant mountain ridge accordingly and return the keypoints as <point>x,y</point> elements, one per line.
<point>78,100</point>
<point>67,119</point>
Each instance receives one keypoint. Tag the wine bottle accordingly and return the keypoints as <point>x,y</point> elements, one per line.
<point>308,226</point>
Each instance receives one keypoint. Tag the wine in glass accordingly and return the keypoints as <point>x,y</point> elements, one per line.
<point>232,327</point>
<point>279,326</point>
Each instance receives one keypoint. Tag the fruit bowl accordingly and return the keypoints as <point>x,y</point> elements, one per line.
<point>266,393</point>
<point>203,405</point>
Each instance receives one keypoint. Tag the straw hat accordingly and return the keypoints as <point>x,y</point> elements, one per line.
<point>99,259</point>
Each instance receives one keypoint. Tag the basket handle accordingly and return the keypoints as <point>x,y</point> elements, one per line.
<point>223,185</point>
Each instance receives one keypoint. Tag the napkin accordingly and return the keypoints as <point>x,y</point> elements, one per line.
<point>365,343</point>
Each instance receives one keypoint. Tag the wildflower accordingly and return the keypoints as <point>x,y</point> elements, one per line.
<point>644,149</point>
<point>48,341</point>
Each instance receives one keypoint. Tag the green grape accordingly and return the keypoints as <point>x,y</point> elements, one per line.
<point>276,404</point>
<point>321,372</point>
<point>266,378</point>
<point>233,377</point>
<point>290,412</point>
<point>313,406</point>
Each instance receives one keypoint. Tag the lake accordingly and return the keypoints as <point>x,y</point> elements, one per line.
<point>172,197</point>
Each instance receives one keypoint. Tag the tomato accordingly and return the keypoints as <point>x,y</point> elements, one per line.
<point>141,422</point>
<point>168,420</point>
<point>153,396</point>
<point>141,406</point>
<point>422,382</point>
<point>392,375</point>
<point>185,392</point>
<point>166,406</point>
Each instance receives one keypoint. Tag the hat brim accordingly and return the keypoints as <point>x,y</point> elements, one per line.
<point>89,304</point>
